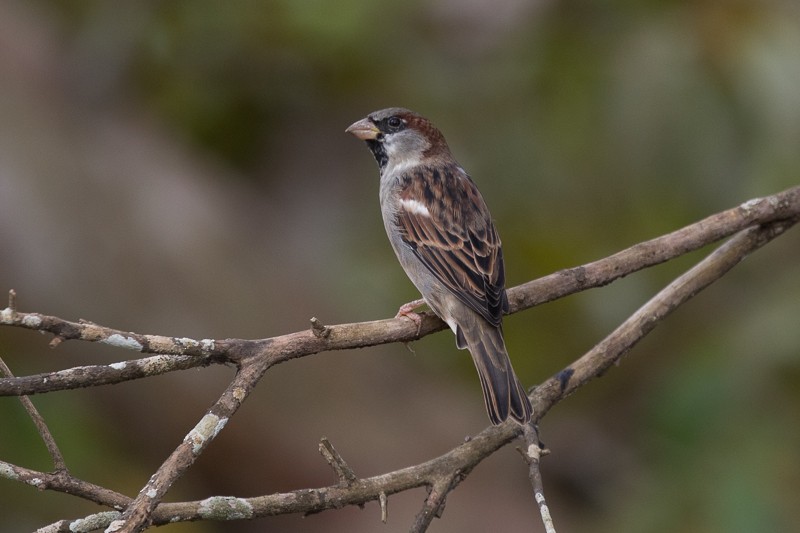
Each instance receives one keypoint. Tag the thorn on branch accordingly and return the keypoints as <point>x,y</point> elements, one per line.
<point>12,301</point>
<point>384,501</point>
<point>56,341</point>
<point>320,330</point>
<point>9,314</point>
<point>343,471</point>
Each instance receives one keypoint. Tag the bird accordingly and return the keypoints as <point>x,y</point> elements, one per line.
<point>445,239</point>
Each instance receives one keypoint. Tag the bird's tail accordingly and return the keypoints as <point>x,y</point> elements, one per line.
<point>503,393</point>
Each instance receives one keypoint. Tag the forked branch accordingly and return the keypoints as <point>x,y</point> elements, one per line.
<point>753,224</point>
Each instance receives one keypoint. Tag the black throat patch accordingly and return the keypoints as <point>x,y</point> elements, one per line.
<point>379,152</point>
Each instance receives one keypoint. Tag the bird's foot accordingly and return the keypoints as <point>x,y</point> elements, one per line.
<point>407,310</point>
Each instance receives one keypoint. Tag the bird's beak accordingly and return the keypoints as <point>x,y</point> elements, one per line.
<point>364,129</point>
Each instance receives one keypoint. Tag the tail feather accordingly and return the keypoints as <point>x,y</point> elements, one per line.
<point>503,394</point>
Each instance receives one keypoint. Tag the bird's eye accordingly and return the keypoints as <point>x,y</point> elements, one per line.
<point>395,123</point>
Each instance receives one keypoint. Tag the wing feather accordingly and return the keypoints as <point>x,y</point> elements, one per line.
<point>450,230</point>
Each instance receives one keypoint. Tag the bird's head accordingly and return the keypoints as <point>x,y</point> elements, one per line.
<point>398,137</point>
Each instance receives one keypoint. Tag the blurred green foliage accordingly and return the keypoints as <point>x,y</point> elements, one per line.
<point>588,127</point>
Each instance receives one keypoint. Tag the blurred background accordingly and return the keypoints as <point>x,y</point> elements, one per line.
<point>181,168</point>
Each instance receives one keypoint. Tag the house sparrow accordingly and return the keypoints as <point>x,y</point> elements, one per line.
<point>444,237</point>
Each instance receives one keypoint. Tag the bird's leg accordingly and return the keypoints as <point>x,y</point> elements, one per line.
<point>407,310</point>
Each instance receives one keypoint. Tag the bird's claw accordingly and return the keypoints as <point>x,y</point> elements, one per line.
<point>407,310</point>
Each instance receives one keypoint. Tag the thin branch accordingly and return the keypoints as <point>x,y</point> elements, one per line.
<point>784,205</point>
<point>63,481</point>
<point>90,523</point>
<point>91,332</point>
<point>38,421</point>
<point>462,459</point>
<point>138,515</point>
<point>435,502</point>
<point>96,375</point>
<point>531,454</point>
<point>383,499</point>
<point>772,215</point>
<point>608,351</point>
<point>318,338</point>
<point>593,364</point>
<point>344,473</point>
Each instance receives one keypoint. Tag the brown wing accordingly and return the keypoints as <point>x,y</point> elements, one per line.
<point>444,219</point>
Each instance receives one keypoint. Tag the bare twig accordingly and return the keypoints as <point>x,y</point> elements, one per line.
<point>38,421</point>
<point>138,515</point>
<point>96,375</point>
<point>531,454</point>
<point>82,525</point>
<point>344,473</point>
<point>435,502</point>
<point>304,501</point>
<point>445,472</point>
<point>63,481</point>
<point>779,207</point>
<point>621,340</point>
<point>766,218</point>
<point>91,332</point>
<point>319,329</point>
<point>12,301</point>
<point>782,206</point>
<point>384,502</point>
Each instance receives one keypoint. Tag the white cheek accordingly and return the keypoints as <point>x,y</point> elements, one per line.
<point>400,165</point>
<point>404,153</point>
